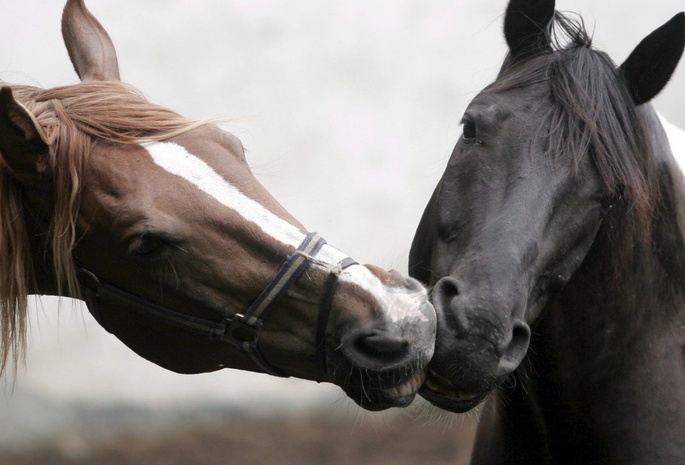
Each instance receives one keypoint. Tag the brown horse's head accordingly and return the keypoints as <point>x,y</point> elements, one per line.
<point>159,224</point>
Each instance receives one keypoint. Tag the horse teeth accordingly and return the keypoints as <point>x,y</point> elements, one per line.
<point>440,385</point>
<point>430,384</point>
<point>409,388</point>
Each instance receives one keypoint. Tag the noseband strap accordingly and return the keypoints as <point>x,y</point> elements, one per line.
<point>325,308</point>
<point>240,330</point>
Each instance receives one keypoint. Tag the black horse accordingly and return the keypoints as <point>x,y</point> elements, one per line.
<point>554,243</point>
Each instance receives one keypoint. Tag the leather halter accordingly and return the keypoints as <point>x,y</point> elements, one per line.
<point>240,329</point>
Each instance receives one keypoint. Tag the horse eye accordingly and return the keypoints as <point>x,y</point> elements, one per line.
<point>147,246</point>
<point>469,129</point>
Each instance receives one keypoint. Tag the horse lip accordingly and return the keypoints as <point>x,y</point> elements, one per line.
<point>398,396</point>
<point>408,389</point>
<point>440,392</point>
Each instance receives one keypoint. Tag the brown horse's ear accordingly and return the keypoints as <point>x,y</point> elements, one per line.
<point>525,27</point>
<point>90,48</point>
<point>23,144</point>
<point>650,66</point>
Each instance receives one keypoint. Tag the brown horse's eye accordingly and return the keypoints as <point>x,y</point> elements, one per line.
<point>148,246</point>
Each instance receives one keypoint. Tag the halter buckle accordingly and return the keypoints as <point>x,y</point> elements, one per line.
<point>241,330</point>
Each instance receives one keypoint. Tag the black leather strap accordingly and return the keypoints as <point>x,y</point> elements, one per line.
<point>325,308</point>
<point>97,294</point>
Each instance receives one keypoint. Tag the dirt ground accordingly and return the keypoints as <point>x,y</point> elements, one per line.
<point>380,439</point>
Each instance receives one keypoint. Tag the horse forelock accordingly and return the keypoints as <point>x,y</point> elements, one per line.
<point>74,119</point>
<point>592,114</point>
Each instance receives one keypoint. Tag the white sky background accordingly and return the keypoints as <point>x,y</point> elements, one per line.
<point>348,110</point>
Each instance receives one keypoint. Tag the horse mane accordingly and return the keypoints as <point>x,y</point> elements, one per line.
<point>593,114</point>
<point>75,119</point>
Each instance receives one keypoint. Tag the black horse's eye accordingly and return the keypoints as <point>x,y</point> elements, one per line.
<point>469,129</point>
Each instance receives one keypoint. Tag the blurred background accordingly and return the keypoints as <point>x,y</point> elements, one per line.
<point>348,111</point>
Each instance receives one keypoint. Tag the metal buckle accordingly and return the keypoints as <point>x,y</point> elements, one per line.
<point>239,331</point>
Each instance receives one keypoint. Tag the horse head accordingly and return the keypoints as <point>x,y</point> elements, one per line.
<point>159,224</point>
<point>551,154</point>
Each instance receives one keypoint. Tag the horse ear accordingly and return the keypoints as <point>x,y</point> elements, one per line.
<point>90,48</point>
<point>23,144</point>
<point>421,252</point>
<point>525,26</point>
<point>650,66</point>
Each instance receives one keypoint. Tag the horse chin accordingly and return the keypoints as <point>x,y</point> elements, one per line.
<point>441,393</point>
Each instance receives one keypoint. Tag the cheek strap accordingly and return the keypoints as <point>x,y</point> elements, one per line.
<point>325,310</point>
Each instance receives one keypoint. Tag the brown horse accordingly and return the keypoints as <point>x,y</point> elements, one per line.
<point>159,225</point>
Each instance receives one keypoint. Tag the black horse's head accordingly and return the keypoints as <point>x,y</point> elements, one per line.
<point>552,153</point>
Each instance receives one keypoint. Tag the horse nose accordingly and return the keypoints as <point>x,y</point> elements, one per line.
<point>464,315</point>
<point>376,347</point>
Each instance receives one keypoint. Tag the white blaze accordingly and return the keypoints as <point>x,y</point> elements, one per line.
<point>175,159</point>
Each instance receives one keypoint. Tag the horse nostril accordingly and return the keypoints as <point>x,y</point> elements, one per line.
<point>445,300</point>
<point>444,291</point>
<point>382,345</point>
<point>513,352</point>
<point>376,349</point>
<point>446,288</point>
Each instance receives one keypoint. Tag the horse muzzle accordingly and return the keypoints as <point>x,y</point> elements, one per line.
<point>382,363</point>
<point>480,342</point>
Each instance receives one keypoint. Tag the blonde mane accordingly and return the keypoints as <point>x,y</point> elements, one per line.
<point>74,119</point>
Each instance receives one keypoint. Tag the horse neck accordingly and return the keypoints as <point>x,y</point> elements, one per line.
<point>629,283</point>
<point>606,367</point>
<point>596,387</point>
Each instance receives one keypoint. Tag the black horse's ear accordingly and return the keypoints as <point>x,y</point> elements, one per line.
<point>421,252</point>
<point>23,144</point>
<point>525,26</point>
<point>650,66</point>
